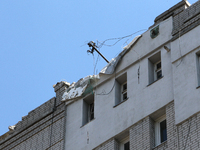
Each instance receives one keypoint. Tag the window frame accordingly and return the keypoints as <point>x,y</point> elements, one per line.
<point>156,70</point>
<point>157,130</point>
<point>124,92</point>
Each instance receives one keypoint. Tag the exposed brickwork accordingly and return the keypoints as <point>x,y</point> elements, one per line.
<point>189,133</point>
<point>140,135</point>
<point>42,128</point>
<point>186,20</point>
<point>152,133</point>
<point>173,11</point>
<point>184,136</point>
<point>111,144</point>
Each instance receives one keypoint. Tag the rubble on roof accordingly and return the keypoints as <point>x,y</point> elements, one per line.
<point>80,88</point>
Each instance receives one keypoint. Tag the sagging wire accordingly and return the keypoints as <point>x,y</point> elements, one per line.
<point>118,39</point>
<point>103,92</point>
<point>190,120</point>
<point>100,44</point>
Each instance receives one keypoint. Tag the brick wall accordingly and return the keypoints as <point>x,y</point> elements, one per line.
<point>42,128</point>
<point>140,135</point>
<point>189,133</point>
<point>186,20</point>
<point>111,144</point>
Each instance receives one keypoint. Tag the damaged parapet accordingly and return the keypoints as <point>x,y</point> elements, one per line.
<point>81,88</point>
<point>86,85</point>
<point>110,67</point>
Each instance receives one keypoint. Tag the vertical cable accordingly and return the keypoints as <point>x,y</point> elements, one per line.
<point>54,109</point>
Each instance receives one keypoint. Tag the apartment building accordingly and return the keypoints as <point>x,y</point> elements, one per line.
<point>148,97</point>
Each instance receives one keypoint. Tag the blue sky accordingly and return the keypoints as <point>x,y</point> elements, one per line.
<point>45,42</point>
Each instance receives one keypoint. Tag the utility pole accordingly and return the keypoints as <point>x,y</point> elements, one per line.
<point>93,45</point>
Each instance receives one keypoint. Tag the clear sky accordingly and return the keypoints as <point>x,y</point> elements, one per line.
<point>43,42</point>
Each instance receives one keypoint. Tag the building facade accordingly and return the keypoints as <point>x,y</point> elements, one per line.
<point>148,97</point>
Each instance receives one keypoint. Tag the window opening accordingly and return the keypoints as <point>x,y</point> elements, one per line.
<point>155,67</point>
<point>121,89</point>
<point>88,109</point>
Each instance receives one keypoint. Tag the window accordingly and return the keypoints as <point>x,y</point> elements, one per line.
<point>124,91</point>
<point>158,71</point>
<point>155,67</point>
<point>121,89</point>
<point>160,130</point>
<point>124,144</point>
<point>88,109</point>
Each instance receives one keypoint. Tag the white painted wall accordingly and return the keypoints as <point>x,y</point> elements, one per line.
<point>186,96</point>
<point>143,99</point>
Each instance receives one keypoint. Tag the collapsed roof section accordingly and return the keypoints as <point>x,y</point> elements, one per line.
<point>86,85</point>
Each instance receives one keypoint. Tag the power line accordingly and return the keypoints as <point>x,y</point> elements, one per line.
<point>118,39</point>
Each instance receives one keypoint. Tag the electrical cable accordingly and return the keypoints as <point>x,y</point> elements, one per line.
<point>118,39</point>
<point>102,93</point>
<point>54,109</point>
<point>190,120</point>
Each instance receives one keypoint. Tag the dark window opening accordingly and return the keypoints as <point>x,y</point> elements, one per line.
<point>163,131</point>
<point>91,112</point>
<point>126,146</point>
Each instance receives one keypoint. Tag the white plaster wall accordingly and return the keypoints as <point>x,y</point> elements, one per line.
<point>143,100</point>
<point>185,43</point>
<point>146,44</point>
<point>186,96</point>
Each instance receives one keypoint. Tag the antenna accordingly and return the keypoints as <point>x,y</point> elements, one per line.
<point>93,45</point>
